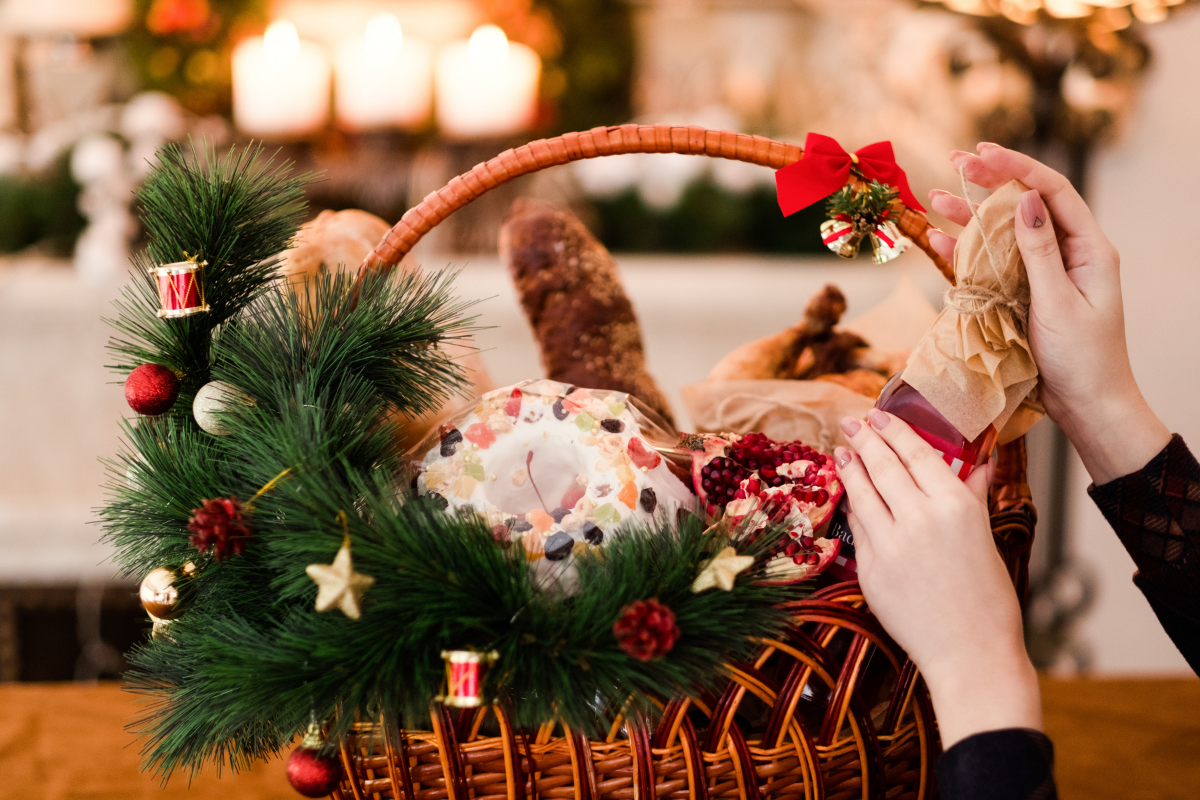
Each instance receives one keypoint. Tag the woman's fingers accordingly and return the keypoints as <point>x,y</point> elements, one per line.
<point>864,547</point>
<point>889,475</point>
<point>950,206</point>
<point>943,243</point>
<point>1048,281</point>
<point>868,507</point>
<point>980,479</point>
<point>928,469</point>
<point>977,171</point>
<point>997,165</point>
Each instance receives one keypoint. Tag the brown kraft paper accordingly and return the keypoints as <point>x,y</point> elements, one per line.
<point>810,411</point>
<point>974,365</point>
<point>784,410</point>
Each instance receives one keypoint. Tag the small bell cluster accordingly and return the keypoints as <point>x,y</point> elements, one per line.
<point>863,211</point>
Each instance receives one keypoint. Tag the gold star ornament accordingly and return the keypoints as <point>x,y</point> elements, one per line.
<point>338,585</point>
<point>722,570</point>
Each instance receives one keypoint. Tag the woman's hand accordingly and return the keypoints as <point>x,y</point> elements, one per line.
<point>1076,319</point>
<point>930,572</point>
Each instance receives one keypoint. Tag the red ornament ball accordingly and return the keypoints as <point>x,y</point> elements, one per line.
<point>151,389</point>
<point>646,629</point>
<point>312,774</point>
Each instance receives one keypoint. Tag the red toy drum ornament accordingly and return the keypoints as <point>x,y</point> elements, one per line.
<point>465,671</point>
<point>180,290</point>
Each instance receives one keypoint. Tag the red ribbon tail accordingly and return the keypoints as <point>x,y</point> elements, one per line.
<point>878,162</point>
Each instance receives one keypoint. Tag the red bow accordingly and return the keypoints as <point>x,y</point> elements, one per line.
<point>825,167</point>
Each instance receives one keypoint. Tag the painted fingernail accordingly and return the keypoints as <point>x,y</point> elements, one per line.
<point>1033,210</point>
<point>842,456</point>
<point>878,419</point>
<point>987,146</point>
<point>850,425</point>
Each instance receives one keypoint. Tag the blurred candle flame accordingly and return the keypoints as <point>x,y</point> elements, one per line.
<point>487,48</point>
<point>281,43</point>
<point>384,39</point>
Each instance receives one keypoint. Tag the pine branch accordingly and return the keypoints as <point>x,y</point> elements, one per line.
<point>442,583</point>
<point>237,213</point>
<point>866,204</point>
<point>164,472</point>
<point>385,332</point>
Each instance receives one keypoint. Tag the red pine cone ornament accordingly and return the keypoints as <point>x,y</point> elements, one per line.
<point>310,773</point>
<point>646,630</point>
<point>220,525</point>
<point>151,389</point>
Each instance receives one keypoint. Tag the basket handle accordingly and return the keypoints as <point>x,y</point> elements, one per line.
<point>602,141</point>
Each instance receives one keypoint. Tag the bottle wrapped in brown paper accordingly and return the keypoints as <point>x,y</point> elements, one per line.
<point>974,365</point>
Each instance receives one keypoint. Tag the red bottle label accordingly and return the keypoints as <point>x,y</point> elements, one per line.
<point>961,459</point>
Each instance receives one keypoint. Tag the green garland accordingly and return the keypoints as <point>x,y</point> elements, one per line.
<point>251,660</point>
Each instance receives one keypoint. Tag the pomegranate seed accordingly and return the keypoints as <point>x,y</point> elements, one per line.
<point>798,560</point>
<point>792,549</point>
<point>822,497</point>
<point>812,558</point>
<point>807,541</point>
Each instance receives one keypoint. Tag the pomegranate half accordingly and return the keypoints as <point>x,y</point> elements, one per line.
<point>753,481</point>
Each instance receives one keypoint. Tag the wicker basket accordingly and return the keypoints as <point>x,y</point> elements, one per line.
<point>833,710</point>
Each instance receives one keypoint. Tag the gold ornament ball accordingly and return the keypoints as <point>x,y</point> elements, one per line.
<point>213,398</point>
<point>159,594</point>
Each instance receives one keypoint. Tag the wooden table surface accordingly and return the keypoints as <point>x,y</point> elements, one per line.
<point>1126,739</point>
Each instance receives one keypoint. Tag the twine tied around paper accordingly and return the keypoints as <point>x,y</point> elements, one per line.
<point>975,300</point>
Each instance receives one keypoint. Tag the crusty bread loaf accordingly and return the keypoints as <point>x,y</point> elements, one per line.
<point>572,295</point>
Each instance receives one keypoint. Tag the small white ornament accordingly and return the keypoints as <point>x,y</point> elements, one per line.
<point>722,571</point>
<point>211,400</point>
<point>338,585</point>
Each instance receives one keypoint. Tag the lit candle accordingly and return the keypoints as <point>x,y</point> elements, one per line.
<point>280,84</point>
<point>383,78</point>
<point>487,86</point>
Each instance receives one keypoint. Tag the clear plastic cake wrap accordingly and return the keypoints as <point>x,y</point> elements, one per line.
<point>557,468</point>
